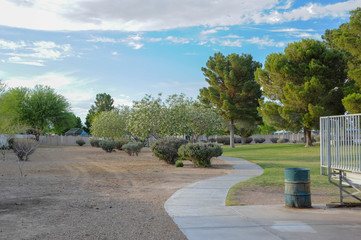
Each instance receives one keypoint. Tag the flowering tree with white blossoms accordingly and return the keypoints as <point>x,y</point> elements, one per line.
<point>177,115</point>
<point>111,124</point>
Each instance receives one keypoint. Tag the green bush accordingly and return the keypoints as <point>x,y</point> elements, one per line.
<point>199,153</point>
<point>80,142</point>
<point>283,140</point>
<point>224,140</point>
<point>249,140</point>
<point>95,142</point>
<point>121,142</point>
<point>166,149</point>
<point>132,148</point>
<point>274,140</point>
<point>212,139</point>
<point>259,140</point>
<point>107,146</point>
<point>179,163</point>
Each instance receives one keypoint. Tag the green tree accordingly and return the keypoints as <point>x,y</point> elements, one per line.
<point>10,108</point>
<point>103,102</point>
<point>347,38</point>
<point>233,90</point>
<point>111,124</point>
<point>302,84</point>
<point>148,117</point>
<point>69,121</point>
<point>43,109</point>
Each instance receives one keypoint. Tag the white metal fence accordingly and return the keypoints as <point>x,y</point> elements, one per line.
<point>340,143</point>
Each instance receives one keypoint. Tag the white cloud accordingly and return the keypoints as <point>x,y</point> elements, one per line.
<point>103,40</point>
<point>214,30</point>
<point>136,16</point>
<point>177,40</point>
<point>265,42</point>
<point>292,30</point>
<point>114,53</point>
<point>34,53</point>
<point>11,45</point>
<point>155,39</point>
<point>230,43</point>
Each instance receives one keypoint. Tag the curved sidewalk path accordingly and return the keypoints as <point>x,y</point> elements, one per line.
<point>200,212</point>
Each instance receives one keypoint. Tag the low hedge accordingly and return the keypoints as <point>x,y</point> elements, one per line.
<point>108,146</point>
<point>199,153</point>
<point>166,149</point>
<point>132,148</point>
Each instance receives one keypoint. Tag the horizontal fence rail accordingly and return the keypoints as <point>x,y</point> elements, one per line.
<point>340,143</point>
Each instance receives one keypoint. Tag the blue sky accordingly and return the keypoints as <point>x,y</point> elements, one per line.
<point>129,48</point>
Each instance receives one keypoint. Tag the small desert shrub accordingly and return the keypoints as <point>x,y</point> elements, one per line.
<point>11,142</point>
<point>282,140</point>
<point>259,140</point>
<point>199,153</point>
<point>179,163</point>
<point>224,140</point>
<point>107,146</point>
<point>120,143</point>
<point>23,148</point>
<point>166,149</point>
<point>274,140</point>
<point>80,142</point>
<point>249,140</point>
<point>312,139</point>
<point>95,142</point>
<point>237,139</point>
<point>132,148</point>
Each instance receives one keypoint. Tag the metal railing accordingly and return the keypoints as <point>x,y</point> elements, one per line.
<point>340,143</point>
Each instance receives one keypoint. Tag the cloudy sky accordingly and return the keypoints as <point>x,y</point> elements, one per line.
<point>129,48</point>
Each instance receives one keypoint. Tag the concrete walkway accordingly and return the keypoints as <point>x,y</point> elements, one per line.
<point>200,212</point>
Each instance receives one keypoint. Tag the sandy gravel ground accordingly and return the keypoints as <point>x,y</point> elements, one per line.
<point>86,193</point>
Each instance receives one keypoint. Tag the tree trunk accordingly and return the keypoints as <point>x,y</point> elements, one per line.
<point>304,135</point>
<point>243,136</point>
<point>231,134</point>
<point>308,138</point>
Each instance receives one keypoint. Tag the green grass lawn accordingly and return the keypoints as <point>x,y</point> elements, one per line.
<point>274,158</point>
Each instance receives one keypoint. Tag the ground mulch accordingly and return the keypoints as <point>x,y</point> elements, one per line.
<point>85,193</point>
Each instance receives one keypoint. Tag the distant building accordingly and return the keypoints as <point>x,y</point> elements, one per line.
<point>74,132</point>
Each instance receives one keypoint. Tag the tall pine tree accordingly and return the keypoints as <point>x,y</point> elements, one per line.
<point>232,89</point>
<point>303,84</point>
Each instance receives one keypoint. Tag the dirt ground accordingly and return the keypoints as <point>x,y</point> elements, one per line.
<point>269,195</point>
<point>86,193</point>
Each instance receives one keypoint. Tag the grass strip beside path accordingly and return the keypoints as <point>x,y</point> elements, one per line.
<point>274,158</point>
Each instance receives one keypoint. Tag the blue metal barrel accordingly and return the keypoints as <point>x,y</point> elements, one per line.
<point>297,187</point>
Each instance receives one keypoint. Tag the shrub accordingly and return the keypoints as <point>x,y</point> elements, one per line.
<point>107,146</point>
<point>274,140</point>
<point>249,140</point>
<point>316,138</point>
<point>294,141</point>
<point>212,139</point>
<point>312,139</point>
<point>95,142</point>
<point>224,140</point>
<point>80,142</point>
<point>23,148</point>
<point>179,163</point>
<point>120,143</point>
<point>132,148</point>
<point>259,140</point>
<point>11,142</point>
<point>166,149</point>
<point>237,139</point>
<point>283,140</point>
<point>199,153</point>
